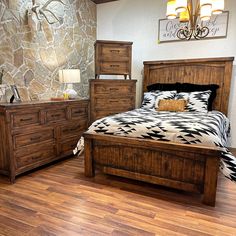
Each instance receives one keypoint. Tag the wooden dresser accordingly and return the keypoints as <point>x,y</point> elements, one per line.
<point>35,133</point>
<point>113,58</point>
<point>108,97</point>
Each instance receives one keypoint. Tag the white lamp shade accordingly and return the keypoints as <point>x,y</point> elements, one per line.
<point>205,12</point>
<point>218,6</point>
<point>69,76</point>
<point>171,13</point>
<point>181,5</point>
<point>205,2</point>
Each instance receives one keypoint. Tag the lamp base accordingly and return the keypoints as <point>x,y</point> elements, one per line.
<point>70,93</point>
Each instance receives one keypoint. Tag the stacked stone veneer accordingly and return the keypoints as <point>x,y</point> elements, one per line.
<point>31,58</point>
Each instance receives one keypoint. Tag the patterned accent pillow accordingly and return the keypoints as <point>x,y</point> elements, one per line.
<point>197,101</point>
<point>151,99</point>
<point>172,105</point>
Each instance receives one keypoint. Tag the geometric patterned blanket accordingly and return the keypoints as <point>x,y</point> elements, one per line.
<point>208,129</point>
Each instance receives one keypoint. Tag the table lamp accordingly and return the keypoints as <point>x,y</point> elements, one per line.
<point>69,77</point>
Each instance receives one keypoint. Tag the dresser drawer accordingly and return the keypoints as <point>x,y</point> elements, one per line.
<point>113,89</point>
<point>79,112</point>
<point>74,129</point>
<point>113,52</point>
<point>67,147</point>
<point>114,68</point>
<point>25,119</point>
<point>33,156</point>
<point>114,104</point>
<point>56,115</point>
<point>37,137</point>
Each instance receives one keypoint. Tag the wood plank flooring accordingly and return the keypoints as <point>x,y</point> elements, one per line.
<point>59,200</point>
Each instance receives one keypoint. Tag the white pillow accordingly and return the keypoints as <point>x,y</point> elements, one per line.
<point>197,101</point>
<point>151,99</point>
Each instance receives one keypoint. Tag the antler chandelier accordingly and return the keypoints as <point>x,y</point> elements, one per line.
<point>194,13</point>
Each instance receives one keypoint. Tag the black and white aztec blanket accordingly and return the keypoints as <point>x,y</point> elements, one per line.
<point>208,129</point>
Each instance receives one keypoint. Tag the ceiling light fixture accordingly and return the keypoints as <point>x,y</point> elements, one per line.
<point>194,13</point>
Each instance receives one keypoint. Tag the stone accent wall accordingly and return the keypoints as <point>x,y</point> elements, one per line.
<point>31,58</point>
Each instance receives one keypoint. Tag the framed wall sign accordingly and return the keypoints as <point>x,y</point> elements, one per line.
<point>16,95</point>
<point>218,26</point>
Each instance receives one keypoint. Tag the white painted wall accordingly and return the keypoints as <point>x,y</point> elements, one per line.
<point>137,21</point>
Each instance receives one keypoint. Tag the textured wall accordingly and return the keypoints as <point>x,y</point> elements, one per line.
<point>31,58</point>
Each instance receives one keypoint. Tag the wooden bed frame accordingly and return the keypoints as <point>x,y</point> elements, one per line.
<point>187,167</point>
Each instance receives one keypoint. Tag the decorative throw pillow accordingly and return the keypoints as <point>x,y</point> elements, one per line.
<point>187,87</point>
<point>172,105</point>
<point>197,101</point>
<point>150,99</point>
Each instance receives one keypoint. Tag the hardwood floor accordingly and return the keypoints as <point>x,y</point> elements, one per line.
<point>59,200</point>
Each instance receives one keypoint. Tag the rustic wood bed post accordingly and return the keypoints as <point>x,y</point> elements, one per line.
<point>88,158</point>
<point>210,183</point>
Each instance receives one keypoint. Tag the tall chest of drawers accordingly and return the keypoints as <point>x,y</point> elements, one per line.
<point>36,133</point>
<point>113,58</point>
<point>108,97</point>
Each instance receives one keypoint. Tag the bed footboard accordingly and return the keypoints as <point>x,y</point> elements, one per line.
<point>187,167</point>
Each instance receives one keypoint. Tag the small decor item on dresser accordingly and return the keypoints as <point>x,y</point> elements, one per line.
<point>69,77</point>
<point>16,95</point>
<point>1,75</point>
<point>3,92</point>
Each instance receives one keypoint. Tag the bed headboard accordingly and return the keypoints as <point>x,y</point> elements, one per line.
<point>197,71</point>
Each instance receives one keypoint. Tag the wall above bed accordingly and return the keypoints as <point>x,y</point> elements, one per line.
<point>137,21</point>
<point>31,58</point>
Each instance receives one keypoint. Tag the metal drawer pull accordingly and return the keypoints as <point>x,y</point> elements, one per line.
<point>35,138</point>
<point>37,157</point>
<point>115,51</point>
<point>56,115</point>
<point>114,65</point>
<point>72,129</point>
<point>114,101</point>
<point>26,119</point>
<point>77,127</point>
<point>78,112</point>
<point>114,89</point>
